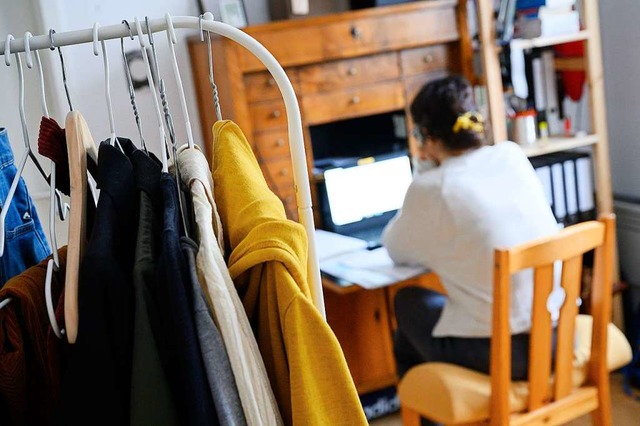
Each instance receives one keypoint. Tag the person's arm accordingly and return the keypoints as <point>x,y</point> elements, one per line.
<point>409,234</point>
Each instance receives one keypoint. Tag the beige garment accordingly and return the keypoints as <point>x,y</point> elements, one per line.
<point>256,395</point>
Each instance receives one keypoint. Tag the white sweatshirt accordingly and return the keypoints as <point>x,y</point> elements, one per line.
<point>453,218</point>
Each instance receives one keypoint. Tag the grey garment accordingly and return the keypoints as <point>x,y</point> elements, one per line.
<point>214,354</point>
<point>151,400</point>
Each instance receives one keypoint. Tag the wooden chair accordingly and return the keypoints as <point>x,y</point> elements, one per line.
<point>587,348</point>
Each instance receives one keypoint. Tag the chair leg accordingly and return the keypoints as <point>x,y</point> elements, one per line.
<point>409,417</point>
<point>601,416</point>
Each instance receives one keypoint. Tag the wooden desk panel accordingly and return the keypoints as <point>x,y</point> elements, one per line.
<point>364,323</point>
<point>360,321</point>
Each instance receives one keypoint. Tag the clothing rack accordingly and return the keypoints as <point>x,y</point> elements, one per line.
<point>294,122</point>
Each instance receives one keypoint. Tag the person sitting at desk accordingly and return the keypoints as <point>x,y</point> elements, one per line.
<point>466,199</point>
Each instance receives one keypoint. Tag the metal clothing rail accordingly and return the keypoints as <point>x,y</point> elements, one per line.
<point>294,121</point>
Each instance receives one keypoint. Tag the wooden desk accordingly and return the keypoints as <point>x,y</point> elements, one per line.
<point>364,323</point>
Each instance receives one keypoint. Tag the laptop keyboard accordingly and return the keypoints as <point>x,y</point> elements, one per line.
<point>372,235</point>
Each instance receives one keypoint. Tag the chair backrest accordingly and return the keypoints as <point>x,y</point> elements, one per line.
<point>567,246</point>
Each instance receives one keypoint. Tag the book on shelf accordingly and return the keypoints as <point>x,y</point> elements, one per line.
<point>552,104</point>
<point>567,180</point>
<point>534,78</point>
<point>349,261</point>
<point>505,21</point>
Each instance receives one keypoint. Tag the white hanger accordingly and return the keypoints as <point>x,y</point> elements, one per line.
<point>63,208</point>
<point>54,263</point>
<point>171,37</point>
<point>214,89</point>
<point>92,150</point>
<point>152,86</point>
<point>132,92</point>
<point>25,134</point>
<point>107,83</point>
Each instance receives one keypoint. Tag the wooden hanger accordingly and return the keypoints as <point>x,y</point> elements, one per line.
<point>78,137</point>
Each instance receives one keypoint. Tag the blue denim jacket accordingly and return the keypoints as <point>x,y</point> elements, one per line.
<point>25,243</point>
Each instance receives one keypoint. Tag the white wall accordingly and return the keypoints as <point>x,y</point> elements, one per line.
<point>621,54</point>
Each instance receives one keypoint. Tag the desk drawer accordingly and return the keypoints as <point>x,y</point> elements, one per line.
<point>425,59</point>
<point>272,145</point>
<point>268,115</point>
<point>365,100</point>
<point>261,86</point>
<point>413,84</point>
<point>348,73</point>
<point>288,199</point>
<point>279,175</point>
<point>356,34</point>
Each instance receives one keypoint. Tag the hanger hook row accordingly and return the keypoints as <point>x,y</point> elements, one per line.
<point>96,27</point>
<point>7,50</point>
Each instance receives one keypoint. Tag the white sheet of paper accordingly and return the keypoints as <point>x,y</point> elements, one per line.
<point>369,268</point>
<point>330,244</point>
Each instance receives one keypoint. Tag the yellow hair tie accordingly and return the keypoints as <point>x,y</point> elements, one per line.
<point>469,121</point>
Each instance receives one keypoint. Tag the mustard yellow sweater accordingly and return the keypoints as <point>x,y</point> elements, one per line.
<point>304,361</point>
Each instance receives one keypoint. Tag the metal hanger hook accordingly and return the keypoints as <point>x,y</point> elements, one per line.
<point>96,27</point>
<point>27,49</point>
<point>52,45</point>
<point>149,32</point>
<point>200,25</point>
<point>7,50</point>
<point>170,29</point>
<point>140,32</point>
<point>214,89</point>
<point>207,16</point>
<point>124,21</point>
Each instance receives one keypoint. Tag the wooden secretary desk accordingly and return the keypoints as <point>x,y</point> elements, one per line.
<point>342,66</point>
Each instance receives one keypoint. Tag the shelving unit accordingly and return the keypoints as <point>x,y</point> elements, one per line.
<point>557,144</point>
<point>530,43</point>
<point>592,64</point>
<point>595,79</point>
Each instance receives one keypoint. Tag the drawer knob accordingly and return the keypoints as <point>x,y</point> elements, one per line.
<point>271,82</point>
<point>276,113</point>
<point>284,172</point>
<point>356,33</point>
<point>428,58</point>
<point>280,143</point>
<point>352,71</point>
<point>355,99</point>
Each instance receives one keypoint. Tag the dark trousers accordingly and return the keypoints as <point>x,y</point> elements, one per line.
<point>417,311</point>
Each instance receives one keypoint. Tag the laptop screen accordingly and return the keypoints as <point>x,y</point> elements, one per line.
<point>364,191</point>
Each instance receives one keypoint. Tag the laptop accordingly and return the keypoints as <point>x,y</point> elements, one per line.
<point>359,201</point>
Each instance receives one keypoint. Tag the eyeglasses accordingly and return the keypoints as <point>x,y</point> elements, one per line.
<point>418,136</point>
